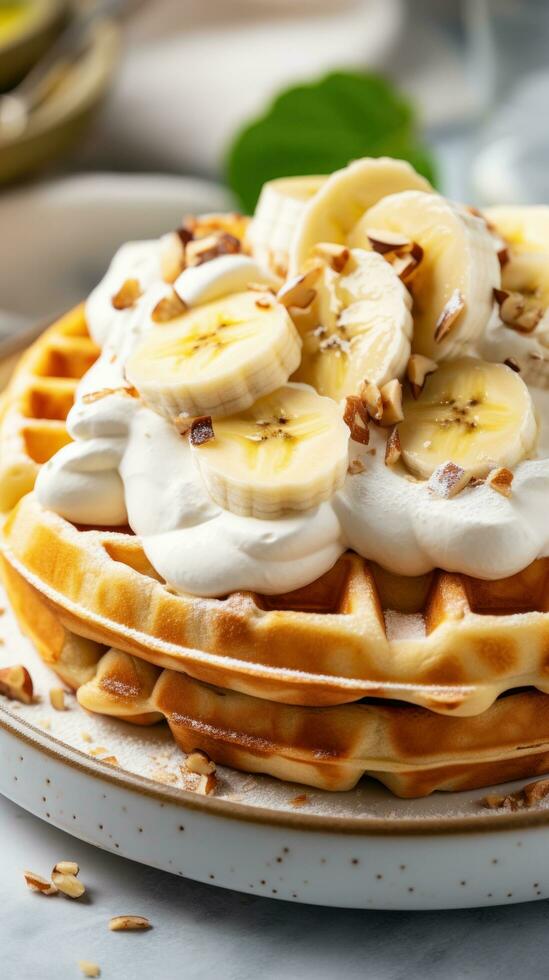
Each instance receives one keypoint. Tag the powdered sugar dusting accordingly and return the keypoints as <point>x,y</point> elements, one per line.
<point>403,626</point>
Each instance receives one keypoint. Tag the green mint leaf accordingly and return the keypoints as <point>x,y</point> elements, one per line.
<point>320,127</point>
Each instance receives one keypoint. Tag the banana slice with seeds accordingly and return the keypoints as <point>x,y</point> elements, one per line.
<point>343,199</point>
<point>218,358</point>
<point>288,452</point>
<point>279,208</point>
<point>454,282</point>
<point>358,327</point>
<point>476,414</point>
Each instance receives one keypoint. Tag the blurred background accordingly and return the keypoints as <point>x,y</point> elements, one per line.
<point>117,116</point>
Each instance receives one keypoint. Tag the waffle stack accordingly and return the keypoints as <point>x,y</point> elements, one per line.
<point>435,682</point>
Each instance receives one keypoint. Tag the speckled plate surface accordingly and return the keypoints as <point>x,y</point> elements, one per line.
<point>362,849</point>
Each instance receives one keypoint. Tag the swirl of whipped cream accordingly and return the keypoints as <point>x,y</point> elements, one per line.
<point>397,522</point>
<point>129,464</point>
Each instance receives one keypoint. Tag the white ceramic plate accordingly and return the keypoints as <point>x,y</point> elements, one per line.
<point>362,849</point>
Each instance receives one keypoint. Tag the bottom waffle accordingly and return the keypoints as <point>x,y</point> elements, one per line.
<point>411,750</point>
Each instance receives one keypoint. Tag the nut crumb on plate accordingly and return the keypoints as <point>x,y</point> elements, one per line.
<point>527,796</point>
<point>200,763</point>
<point>57,698</point>
<point>128,923</point>
<point>68,884</point>
<point>89,969</point>
<point>16,683</point>
<point>36,883</point>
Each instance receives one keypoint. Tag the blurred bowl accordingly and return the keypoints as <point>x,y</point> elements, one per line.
<point>27,36</point>
<point>60,235</point>
<point>59,122</point>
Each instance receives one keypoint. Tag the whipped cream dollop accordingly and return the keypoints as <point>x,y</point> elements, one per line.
<point>128,464</point>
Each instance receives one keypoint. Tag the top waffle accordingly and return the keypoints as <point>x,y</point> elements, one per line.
<point>447,642</point>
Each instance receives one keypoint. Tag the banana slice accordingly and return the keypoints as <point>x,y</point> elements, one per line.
<point>216,359</point>
<point>277,213</point>
<point>345,196</point>
<point>454,283</point>
<point>521,331</point>
<point>358,328</point>
<point>288,452</point>
<point>524,227</point>
<point>525,230</point>
<point>477,414</point>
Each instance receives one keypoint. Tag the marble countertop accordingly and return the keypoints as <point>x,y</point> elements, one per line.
<point>200,931</point>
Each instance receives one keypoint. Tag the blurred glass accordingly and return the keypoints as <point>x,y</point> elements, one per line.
<point>509,55</point>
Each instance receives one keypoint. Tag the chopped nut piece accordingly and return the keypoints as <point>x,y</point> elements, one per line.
<point>207,784</point>
<point>38,884</point>
<point>200,763</point>
<point>356,417</point>
<point>355,467</point>
<point>16,683</point>
<point>260,287</point>
<point>57,698</point>
<point>95,396</point>
<point>517,311</point>
<point>391,395</point>
<point>168,308</point>
<point>201,250</point>
<point>448,480</point>
<point>371,396</point>
<point>89,969</point>
<point>201,430</point>
<point>125,923</point>
<point>511,363</point>
<point>185,233</point>
<point>449,316</point>
<point>264,303</point>
<point>383,241</point>
<point>418,369</point>
<point>403,254</point>
<point>501,479</point>
<point>68,884</point>
<point>299,291</point>
<point>503,255</point>
<point>127,295</point>
<point>527,796</point>
<point>336,256</point>
<point>392,449</point>
<point>172,256</point>
<point>406,264</point>
<point>67,868</point>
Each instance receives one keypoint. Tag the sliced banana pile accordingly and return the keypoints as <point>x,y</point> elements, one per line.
<point>289,451</point>
<point>359,299</point>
